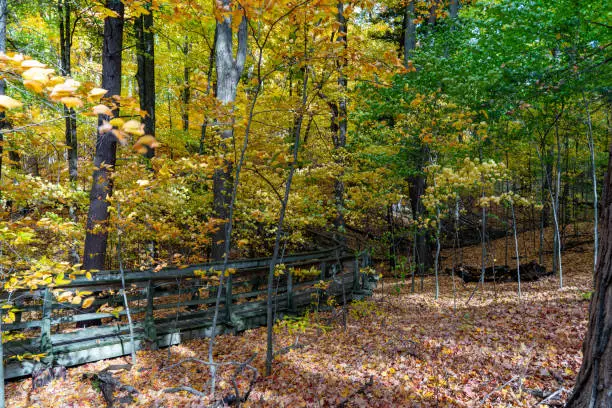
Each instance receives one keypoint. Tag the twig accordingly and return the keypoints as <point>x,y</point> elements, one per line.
<point>550,397</point>
<point>186,388</point>
<point>486,397</point>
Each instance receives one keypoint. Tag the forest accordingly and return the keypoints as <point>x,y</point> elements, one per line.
<point>306,203</point>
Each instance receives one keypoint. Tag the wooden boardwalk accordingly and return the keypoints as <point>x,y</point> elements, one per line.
<point>171,306</point>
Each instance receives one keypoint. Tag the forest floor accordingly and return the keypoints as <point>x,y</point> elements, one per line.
<point>399,349</point>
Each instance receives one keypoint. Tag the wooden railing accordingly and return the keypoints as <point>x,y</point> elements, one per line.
<point>168,307</point>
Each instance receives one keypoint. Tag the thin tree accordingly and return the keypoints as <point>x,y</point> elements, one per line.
<point>297,130</point>
<point>3,14</point>
<point>66,31</point>
<point>145,74</point>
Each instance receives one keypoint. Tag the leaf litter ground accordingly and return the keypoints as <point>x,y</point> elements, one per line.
<point>399,349</point>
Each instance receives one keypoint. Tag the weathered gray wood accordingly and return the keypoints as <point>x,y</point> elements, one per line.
<point>111,340</point>
<point>150,329</point>
<point>290,291</point>
<point>46,346</point>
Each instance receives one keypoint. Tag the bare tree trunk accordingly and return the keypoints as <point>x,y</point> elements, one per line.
<point>409,32</point>
<point>279,229</point>
<point>594,179</point>
<point>145,74</point>
<point>186,91</point>
<point>209,87</point>
<point>3,122</point>
<point>342,122</point>
<point>3,13</point>
<point>593,387</point>
<point>229,70</point>
<point>96,239</point>
<point>66,31</point>
<point>516,251</point>
<point>454,9</point>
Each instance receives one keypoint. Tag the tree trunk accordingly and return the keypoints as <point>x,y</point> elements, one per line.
<point>342,123</point>
<point>65,29</point>
<point>186,91</point>
<point>3,13</point>
<point>593,387</point>
<point>106,144</point>
<point>3,122</point>
<point>409,32</point>
<point>418,184</point>
<point>145,75</point>
<point>229,70</point>
<point>454,9</point>
<point>209,87</point>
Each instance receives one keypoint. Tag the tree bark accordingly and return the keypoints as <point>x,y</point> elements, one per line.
<point>145,75</point>
<point>409,43</point>
<point>423,250</point>
<point>454,9</point>
<point>593,387</point>
<point>3,13</point>
<point>229,70</point>
<point>339,137</point>
<point>65,29</point>
<point>96,238</point>
<point>186,91</point>
<point>3,122</point>
<point>209,87</point>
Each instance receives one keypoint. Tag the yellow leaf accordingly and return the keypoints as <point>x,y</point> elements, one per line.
<point>120,136</point>
<point>116,122</point>
<point>32,64</point>
<point>72,102</point>
<point>102,110</point>
<point>37,74</point>
<point>6,103</point>
<point>88,275</point>
<point>33,85</point>
<point>96,93</point>
<point>145,141</point>
<point>76,300</point>
<point>133,127</point>
<point>88,302</point>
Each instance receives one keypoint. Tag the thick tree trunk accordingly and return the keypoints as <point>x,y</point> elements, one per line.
<point>145,74</point>
<point>65,29</point>
<point>594,383</point>
<point>106,144</point>
<point>229,70</point>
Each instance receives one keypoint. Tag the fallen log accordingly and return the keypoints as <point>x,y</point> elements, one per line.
<point>531,271</point>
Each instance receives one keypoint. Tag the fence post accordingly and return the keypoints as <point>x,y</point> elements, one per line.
<point>356,274</point>
<point>46,346</point>
<point>150,329</point>
<point>228,298</point>
<point>290,291</point>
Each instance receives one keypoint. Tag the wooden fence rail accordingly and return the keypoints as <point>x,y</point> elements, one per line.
<point>170,306</point>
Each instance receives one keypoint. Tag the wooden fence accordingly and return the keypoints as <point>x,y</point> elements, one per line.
<point>171,306</point>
